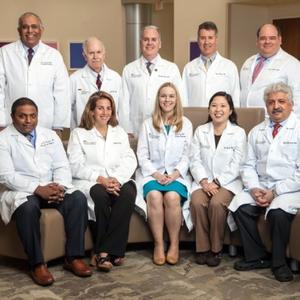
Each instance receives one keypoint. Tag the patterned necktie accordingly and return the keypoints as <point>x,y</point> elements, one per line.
<point>98,82</point>
<point>258,68</point>
<point>148,66</point>
<point>29,137</point>
<point>30,55</point>
<point>275,129</point>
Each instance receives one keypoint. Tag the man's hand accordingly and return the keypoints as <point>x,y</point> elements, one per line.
<point>111,184</point>
<point>52,192</point>
<point>262,197</point>
<point>210,188</point>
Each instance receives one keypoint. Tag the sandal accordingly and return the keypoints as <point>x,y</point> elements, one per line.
<point>103,263</point>
<point>117,261</point>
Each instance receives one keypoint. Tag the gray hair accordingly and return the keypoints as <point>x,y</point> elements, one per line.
<point>88,40</point>
<point>151,27</point>
<point>278,87</point>
<point>27,14</point>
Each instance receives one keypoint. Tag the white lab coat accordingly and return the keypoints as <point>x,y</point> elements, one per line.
<point>90,156</point>
<point>281,67</point>
<point>24,167</point>
<point>45,81</point>
<point>222,163</point>
<point>139,91</point>
<point>200,84</point>
<point>272,163</point>
<point>162,152</point>
<point>83,84</point>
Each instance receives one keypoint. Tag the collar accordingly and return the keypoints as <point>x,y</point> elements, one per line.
<point>35,48</point>
<point>212,58</point>
<point>153,61</point>
<point>271,124</point>
<point>95,74</point>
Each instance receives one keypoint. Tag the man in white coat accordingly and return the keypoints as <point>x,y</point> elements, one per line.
<point>36,173</point>
<point>141,80</point>
<point>30,68</point>
<point>271,176</point>
<point>96,75</point>
<point>271,64</point>
<point>210,72</point>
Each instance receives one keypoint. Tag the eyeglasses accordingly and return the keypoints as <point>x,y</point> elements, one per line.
<point>32,26</point>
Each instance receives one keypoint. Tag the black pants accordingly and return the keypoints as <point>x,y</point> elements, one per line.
<point>280,224</point>
<point>74,212</point>
<point>112,218</point>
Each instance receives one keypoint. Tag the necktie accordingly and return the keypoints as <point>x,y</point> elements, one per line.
<point>98,82</point>
<point>30,55</point>
<point>148,66</point>
<point>29,137</point>
<point>258,68</point>
<point>207,63</point>
<point>275,129</point>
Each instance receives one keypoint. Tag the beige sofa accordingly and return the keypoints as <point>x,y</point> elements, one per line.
<point>52,232</point>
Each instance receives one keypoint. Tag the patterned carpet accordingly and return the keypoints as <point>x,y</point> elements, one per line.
<point>140,279</point>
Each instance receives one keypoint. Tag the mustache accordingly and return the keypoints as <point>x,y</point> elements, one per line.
<point>276,110</point>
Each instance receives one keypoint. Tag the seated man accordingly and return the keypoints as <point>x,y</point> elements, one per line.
<point>271,176</point>
<point>35,170</point>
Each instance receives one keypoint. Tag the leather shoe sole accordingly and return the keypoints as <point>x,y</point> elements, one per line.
<point>78,268</point>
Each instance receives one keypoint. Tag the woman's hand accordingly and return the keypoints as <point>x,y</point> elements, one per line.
<point>173,176</point>
<point>160,178</point>
<point>111,184</point>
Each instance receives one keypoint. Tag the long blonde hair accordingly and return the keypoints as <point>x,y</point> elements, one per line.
<point>157,115</point>
<point>87,120</point>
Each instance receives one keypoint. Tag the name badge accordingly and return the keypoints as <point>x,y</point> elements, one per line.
<point>257,142</point>
<point>229,147</point>
<point>46,63</point>
<point>164,76</point>
<point>117,143</point>
<point>289,143</point>
<point>83,92</point>
<point>85,142</point>
<point>47,143</point>
<point>194,74</point>
<point>132,75</point>
<point>153,136</point>
<point>180,135</point>
<point>220,74</point>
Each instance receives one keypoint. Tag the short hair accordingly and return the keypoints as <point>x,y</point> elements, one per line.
<point>277,88</point>
<point>208,25</point>
<point>275,26</point>
<point>20,102</point>
<point>157,115</point>
<point>233,116</point>
<point>89,39</point>
<point>87,121</point>
<point>26,14</point>
<point>150,27</point>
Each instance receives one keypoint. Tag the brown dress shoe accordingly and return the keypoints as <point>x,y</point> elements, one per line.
<point>78,267</point>
<point>41,275</point>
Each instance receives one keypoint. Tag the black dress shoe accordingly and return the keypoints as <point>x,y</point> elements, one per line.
<point>243,265</point>
<point>201,257</point>
<point>283,273</point>
<point>213,259</point>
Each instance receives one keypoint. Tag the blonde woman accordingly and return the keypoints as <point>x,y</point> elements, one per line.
<point>102,164</point>
<point>163,150</point>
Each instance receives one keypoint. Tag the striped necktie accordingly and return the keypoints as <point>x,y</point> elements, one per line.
<point>258,68</point>
<point>148,66</point>
<point>276,127</point>
<point>98,82</point>
<point>30,55</point>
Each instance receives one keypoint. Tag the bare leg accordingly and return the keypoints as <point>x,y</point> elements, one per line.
<point>156,222</point>
<point>173,224</point>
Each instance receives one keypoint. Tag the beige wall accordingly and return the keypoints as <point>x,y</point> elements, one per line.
<point>188,15</point>
<point>72,20</point>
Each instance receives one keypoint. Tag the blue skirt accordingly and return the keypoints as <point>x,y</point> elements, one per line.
<point>174,186</point>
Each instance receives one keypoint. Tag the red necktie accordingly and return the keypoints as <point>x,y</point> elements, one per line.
<point>30,55</point>
<point>98,82</point>
<point>258,68</point>
<point>275,129</point>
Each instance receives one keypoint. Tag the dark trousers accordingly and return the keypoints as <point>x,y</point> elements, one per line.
<point>112,218</point>
<point>280,224</point>
<point>74,212</point>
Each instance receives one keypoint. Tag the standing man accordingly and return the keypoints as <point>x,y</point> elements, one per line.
<point>93,77</point>
<point>141,80</point>
<point>36,172</point>
<point>271,176</point>
<point>210,72</point>
<point>271,64</point>
<point>30,68</point>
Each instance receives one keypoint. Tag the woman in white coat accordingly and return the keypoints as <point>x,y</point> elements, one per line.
<point>102,164</point>
<point>217,151</point>
<point>163,149</point>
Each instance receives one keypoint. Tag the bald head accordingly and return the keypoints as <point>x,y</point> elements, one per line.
<point>94,53</point>
<point>268,40</point>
